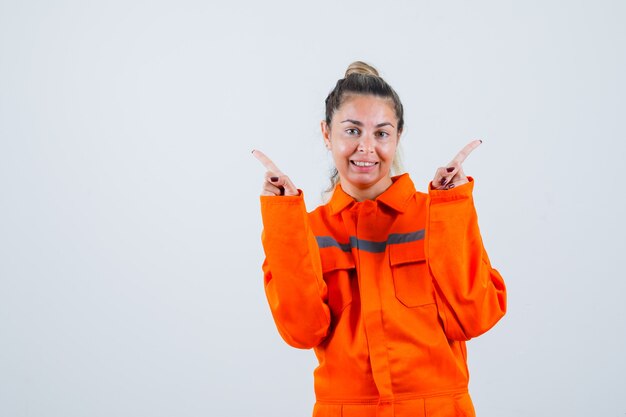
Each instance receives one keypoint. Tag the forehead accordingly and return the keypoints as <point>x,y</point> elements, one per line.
<point>366,108</point>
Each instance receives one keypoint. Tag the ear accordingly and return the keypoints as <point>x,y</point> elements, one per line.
<point>399,134</point>
<point>325,133</point>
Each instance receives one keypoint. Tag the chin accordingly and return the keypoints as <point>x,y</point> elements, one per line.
<point>364,183</point>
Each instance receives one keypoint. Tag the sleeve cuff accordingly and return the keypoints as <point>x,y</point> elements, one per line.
<point>462,191</point>
<point>267,200</point>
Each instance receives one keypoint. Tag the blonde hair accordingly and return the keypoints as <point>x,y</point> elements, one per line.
<point>360,67</point>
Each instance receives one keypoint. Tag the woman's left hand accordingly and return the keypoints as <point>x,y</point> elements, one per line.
<point>452,175</point>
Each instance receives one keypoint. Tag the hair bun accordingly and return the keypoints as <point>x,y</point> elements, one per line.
<point>360,67</point>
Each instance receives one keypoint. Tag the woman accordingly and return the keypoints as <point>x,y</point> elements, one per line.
<point>385,283</point>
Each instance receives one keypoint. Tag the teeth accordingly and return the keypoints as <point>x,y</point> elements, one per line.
<point>364,164</point>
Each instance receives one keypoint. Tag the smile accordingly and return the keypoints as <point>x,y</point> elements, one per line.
<point>363,163</point>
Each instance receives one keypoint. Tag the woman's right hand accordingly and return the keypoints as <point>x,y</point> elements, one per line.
<point>276,183</point>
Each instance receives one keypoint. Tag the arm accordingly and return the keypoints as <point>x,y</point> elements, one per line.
<point>294,285</point>
<point>471,295</point>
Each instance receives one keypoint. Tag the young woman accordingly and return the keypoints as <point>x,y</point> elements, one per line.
<point>384,282</point>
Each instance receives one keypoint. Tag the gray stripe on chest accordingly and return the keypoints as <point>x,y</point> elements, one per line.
<point>370,245</point>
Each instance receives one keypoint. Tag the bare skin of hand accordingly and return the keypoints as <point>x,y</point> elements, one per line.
<point>452,175</point>
<point>276,183</point>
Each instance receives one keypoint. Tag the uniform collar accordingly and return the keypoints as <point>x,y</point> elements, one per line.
<point>396,196</point>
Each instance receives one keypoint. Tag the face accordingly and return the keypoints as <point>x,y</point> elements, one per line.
<point>363,138</point>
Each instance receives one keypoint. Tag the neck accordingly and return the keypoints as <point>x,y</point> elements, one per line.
<point>366,193</point>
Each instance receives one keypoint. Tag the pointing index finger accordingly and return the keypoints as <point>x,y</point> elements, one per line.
<point>464,153</point>
<point>267,163</point>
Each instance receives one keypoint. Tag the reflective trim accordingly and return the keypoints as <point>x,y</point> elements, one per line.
<point>406,237</point>
<point>329,242</point>
<point>370,245</point>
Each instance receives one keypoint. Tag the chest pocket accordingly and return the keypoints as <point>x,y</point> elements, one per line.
<point>340,277</point>
<point>411,278</point>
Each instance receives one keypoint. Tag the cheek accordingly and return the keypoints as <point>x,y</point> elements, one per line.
<point>342,150</point>
<point>388,151</point>
<point>338,158</point>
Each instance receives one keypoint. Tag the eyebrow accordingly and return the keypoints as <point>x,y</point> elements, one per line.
<point>356,122</point>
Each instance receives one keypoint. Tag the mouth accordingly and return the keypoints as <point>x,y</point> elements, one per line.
<point>363,164</point>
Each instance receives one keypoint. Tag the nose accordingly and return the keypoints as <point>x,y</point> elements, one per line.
<point>366,144</point>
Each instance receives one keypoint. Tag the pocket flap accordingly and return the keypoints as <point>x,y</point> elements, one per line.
<point>336,259</point>
<point>403,253</point>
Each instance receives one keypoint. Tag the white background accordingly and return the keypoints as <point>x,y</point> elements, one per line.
<point>130,254</point>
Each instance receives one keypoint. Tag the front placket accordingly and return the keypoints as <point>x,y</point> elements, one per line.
<point>366,248</point>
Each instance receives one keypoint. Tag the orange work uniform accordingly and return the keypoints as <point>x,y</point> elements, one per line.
<point>386,291</point>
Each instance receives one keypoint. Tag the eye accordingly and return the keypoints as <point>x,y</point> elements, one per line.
<point>353,131</point>
<point>383,135</point>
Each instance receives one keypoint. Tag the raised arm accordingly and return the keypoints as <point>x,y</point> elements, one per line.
<point>294,285</point>
<point>471,295</point>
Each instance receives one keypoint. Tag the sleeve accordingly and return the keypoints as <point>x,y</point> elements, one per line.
<point>470,294</point>
<point>294,285</point>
